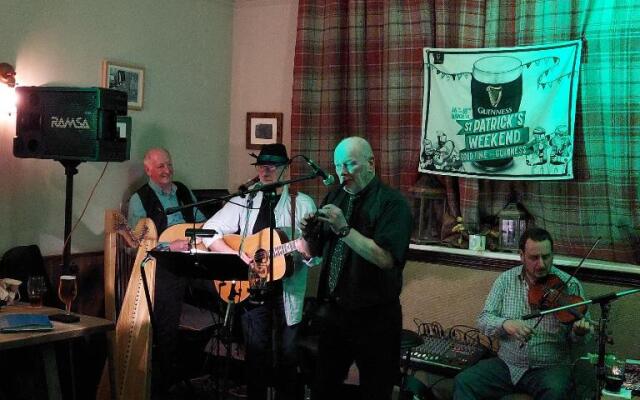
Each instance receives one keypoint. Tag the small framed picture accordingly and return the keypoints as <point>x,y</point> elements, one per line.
<point>263,128</point>
<point>126,78</point>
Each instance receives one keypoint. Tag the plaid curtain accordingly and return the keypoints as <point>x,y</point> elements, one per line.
<point>358,71</point>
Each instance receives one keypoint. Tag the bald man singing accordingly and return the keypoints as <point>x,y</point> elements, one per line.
<point>362,232</point>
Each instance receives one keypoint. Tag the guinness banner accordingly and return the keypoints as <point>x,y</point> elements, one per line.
<point>501,113</point>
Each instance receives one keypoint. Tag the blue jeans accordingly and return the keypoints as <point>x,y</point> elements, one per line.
<point>490,379</point>
<point>256,330</point>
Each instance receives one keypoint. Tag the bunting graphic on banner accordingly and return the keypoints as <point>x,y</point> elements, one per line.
<point>501,113</point>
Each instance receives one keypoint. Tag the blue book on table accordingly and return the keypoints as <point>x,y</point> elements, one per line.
<point>24,322</point>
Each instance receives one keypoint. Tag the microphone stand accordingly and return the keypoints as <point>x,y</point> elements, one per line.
<point>226,338</point>
<point>605,305</point>
<point>242,193</point>
<point>270,197</point>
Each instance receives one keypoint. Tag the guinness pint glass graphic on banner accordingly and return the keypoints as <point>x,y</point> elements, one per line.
<point>496,89</point>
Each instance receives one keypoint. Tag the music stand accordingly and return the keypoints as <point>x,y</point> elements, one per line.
<point>203,265</point>
<point>193,264</point>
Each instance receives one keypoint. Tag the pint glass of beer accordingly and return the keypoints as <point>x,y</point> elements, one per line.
<point>36,288</point>
<point>496,89</point>
<point>67,291</point>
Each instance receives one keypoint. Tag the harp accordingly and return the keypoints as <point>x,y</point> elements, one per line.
<point>129,367</point>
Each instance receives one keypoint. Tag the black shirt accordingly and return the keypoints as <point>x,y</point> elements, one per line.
<point>262,222</point>
<point>382,214</point>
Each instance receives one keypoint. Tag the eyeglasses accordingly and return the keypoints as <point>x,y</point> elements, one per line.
<point>265,168</point>
<point>349,166</point>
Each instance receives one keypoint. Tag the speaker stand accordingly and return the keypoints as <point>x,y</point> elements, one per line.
<point>69,170</point>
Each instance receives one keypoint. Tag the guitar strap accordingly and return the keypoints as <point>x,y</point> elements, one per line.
<point>293,193</point>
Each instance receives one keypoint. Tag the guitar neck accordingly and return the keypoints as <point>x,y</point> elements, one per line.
<point>285,248</point>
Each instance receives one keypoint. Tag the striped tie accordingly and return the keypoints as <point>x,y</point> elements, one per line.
<point>339,251</point>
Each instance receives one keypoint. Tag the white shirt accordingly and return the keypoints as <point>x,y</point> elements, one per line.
<point>235,216</point>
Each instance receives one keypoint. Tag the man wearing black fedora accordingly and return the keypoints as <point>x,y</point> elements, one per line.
<point>281,301</point>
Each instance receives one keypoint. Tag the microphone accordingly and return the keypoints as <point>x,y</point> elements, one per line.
<point>247,184</point>
<point>200,232</point>
<point>254,194</point>
<point>327,179</point>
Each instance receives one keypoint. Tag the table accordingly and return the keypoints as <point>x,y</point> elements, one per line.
<point>61,332</point>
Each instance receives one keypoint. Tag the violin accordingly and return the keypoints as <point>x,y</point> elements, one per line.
<point>551,292</point>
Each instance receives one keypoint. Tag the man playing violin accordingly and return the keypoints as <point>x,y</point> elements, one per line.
<point>534,361</point>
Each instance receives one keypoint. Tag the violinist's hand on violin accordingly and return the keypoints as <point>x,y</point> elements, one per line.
<point>581,327</point>
<point>518,329</point>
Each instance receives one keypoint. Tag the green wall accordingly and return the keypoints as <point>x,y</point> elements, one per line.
<point>185,48</point>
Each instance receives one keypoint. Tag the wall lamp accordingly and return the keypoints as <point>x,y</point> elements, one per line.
<point>7,89</point>
<point>7,74</point>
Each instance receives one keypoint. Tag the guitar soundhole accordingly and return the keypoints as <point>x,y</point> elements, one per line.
<point>261,257</point>
<point>261,260</point>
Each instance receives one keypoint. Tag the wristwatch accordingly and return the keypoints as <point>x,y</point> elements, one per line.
<point>344,231</point>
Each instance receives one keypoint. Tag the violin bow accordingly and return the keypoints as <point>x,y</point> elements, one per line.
<point>564,283</point>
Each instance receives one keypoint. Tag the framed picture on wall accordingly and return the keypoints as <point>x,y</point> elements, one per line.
<point>263,128</point>
<point>126,78</point>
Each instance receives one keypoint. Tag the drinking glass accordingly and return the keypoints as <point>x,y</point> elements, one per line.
<point>36,289</point>
<point>67,291</point>
<point>615,375</point>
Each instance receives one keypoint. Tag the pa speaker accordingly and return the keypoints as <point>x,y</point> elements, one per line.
<point>67,123</point>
